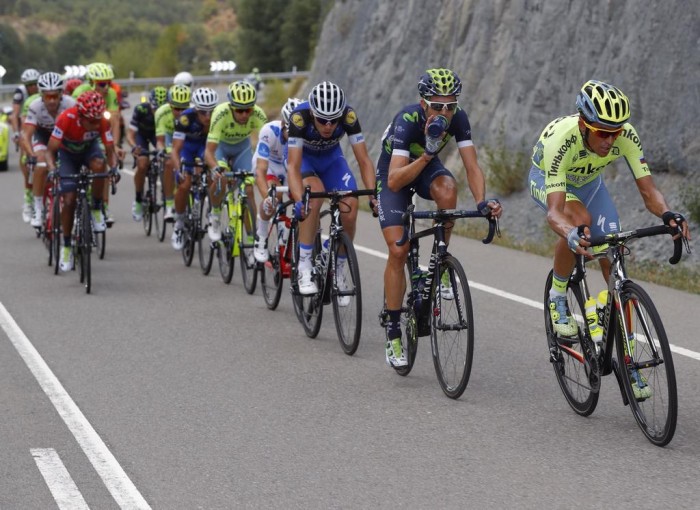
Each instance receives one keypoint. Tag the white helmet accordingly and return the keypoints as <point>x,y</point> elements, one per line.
<point>183,78</point>
<point>205,99</point>
<point>327,101</point>
<point>288,108</point>
<point>29,76</point>
<point>50,81</point>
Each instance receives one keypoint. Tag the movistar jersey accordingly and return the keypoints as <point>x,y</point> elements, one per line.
<point>224,127</point>
<point>303,133</point>
<point>561,154</point>
<point>405,136</point>
<point>142,120</point>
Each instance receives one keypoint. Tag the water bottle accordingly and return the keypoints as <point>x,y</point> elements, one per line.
<point>324,252</point>
<point>601,303</point>
<point>437,126</point>
<point>592,319</point>
<point>418,277</point>
<point>282,232</point>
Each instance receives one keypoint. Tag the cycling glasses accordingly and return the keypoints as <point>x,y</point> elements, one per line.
<point>103,84</point>
<point>438,107</point>
<point>51,95</point>
<point>243,110</point>
<point>328,122</point>
<point>603,133</point>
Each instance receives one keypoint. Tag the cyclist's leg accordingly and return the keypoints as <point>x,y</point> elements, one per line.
<point>188,154</point>
<point>169,181</point>
<point>68,164</point>
<point>28,202</point>
<point>95,160</point>
<point>39,179</point>
<point>265,212</point>
<point>308,227</point>
<point>604,217</point>
<point>139,177</point>
<point>389,205</point>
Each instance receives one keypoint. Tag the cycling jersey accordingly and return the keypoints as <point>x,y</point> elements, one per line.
<point>272,147</point>
<point>73,136</point>
<point>194,135</point>
<point>165,121</point>
<point>225,129</point>
<point>561,154</point>
<point>20,95</point>
<point>405,136</point>
<point>39,116</point>
<point>111,100</point>
<point>143,120</point>
<point>27,102</point>
<point>303,133</point>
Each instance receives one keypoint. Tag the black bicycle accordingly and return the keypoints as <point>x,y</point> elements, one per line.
<point>337,276</point>
<point>196,220</point>
<point>643,365</point>
<point>153,202</point>
<point>439,302</point>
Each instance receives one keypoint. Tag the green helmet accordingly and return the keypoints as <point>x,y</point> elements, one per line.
<point>241,94</point>
<point>439,82</point>
<point>158,96</point>
<point>98,71</point>
<point>603,103</point>
<point>179,96</point>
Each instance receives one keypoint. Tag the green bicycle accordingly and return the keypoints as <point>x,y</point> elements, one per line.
<point>238,230</point>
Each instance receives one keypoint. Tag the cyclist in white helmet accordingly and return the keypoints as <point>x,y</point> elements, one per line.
<point>28,88</point>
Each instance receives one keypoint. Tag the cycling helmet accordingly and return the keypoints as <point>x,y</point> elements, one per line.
<point>327,101</point>
<point>205,99</point>
<point>98,71</point>
<point>179,96</point>
<point>158,96</point>
<point>439,82</point>
<point>603,103</point>
<point>183,78</point>
<point>91,105</point>
<point>50,81</point>
<point>71,85</point>
<point>288,108</point>
<point>241,94</point>
<point>29,76</point>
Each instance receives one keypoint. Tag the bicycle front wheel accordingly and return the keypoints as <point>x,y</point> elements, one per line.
<point>346,294</point>
<point>648,376</point>
<point>452,328</point>
<point>225,250</point>
<point>86,246</point>
<point>205,251</point>
<point>249,266</point>
<point>569,360</point>
<point>189,235</point>
<point>147,207</point>
<point>271,276</point>
<point>55,232</point>
<point>308,308</point>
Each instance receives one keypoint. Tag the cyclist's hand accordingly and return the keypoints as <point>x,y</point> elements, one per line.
<point>576,239</point>
<point>268,206</point>
<point>674,219</point>
<point>491,208</point>
<point>432,145</point>
<point>160,154</point>
<point>299,212</point>
<point>15,138</point>
<point>373,204</point>
<point>121,153</point>
<point>31,160</point>
<point>116,174</point>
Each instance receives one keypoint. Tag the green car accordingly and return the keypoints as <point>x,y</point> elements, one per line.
<point>4,137</point>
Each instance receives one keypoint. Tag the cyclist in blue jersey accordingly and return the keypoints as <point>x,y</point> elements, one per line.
<point>314,158</point>
<point>189,142</point>
<point>408,164</point>
<point>566,182</point>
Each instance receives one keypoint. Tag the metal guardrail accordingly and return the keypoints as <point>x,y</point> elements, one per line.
<point>208,79</point>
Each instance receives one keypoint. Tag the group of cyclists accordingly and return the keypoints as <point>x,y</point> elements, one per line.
<point>194,130</point>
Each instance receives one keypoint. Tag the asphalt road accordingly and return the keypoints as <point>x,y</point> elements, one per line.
<point>168,389</point>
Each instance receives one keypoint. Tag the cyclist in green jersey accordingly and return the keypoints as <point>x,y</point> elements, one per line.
<point>566,182</point>
<point>166,115</point>
<point>229,137</point>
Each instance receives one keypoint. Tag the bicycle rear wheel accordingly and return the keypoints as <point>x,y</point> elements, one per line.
<point>161,214</point>
<point>249,266</point>
<point>189,234</point>
<point>452,329</point>
<point>100,243</point>
<point>225,250</point>
<point>147,207</point>
<point>569,360</point>
<point>271,275</point>
<point>647,365</point>
<point>346,294</point>
<point>205,251</point>
<point>309,309</point>
<point>56,232</point>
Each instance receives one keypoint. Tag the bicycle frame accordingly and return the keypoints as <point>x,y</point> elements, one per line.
<point>235,195</point>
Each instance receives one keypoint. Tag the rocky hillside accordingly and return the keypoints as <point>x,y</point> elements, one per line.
<point>522,63</point>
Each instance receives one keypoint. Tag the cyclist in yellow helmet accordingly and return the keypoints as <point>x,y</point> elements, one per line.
<point>566,182</point>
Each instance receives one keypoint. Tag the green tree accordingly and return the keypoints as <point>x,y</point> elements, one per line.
<point>301,17</point>
<point>39,53</point>
<point>259,43</point>
<point>11,53</point>
<point>71,48</point>
<point>165,57</point>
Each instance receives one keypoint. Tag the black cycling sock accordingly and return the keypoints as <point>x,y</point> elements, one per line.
<point>393,325</point>
<point>139,196</point>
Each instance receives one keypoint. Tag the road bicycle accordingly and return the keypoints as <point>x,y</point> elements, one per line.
<point>281,242</point>
<point>336,273</point>
<point>438,302</point>
<point>196,219</point>
<point>237,230</point>
<point>84,238</point>
<point>632,328</point>
<point>153,202</point>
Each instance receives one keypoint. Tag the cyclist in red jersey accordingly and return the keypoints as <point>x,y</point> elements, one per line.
<point>75,142</point>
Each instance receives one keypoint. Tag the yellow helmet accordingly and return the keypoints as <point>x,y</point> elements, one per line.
<point>241,94</point>
<point>603,103</point>
<point>98,71</point>
<point>179,96</point>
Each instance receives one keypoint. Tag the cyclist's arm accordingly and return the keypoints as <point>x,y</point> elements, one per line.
<point>403,172</point>
<point>51,150</point>
<point>475,176</point>
<point>25,139</point>
<point>655,201</point>
<point>131,136</point>
<point>366,166</point>
<point>210,154</point>
<point>175,153</point>
<point>296,185</point>
<point>14,117</point>
<point>261,166</point>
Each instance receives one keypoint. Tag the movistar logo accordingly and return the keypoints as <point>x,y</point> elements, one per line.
<point>413,117</point>
<point>379,186</point>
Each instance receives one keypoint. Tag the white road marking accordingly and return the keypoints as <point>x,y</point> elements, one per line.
<point>115,479</point>
<point>59,481</point>
<point>519,299</point>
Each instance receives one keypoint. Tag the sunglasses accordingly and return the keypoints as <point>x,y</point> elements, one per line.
<point>54,96</point>
<point>438,107</point>
<point>103,84</point>
<point>204,113</point>
<point>243,110</point>
<point>603,133</point>
<point>328,122</point>
<point>177,109</point>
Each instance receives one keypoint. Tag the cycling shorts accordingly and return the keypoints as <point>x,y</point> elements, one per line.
<point>331,167</point>
<point>69,163</point>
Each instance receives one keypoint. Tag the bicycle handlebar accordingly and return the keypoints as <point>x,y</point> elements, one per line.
<point>443,215</point>
<point>623,237</point>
